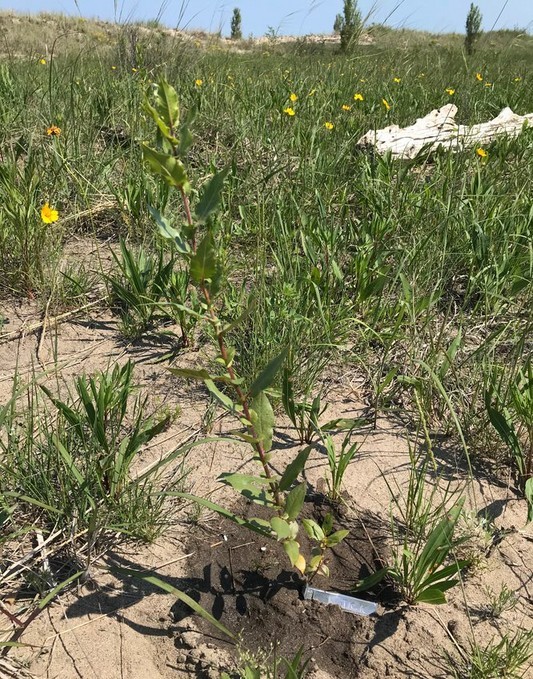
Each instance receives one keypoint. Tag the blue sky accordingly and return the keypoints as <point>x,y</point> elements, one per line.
<point>290,16</point>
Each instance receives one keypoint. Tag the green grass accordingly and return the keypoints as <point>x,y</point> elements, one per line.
<point>416,274</point>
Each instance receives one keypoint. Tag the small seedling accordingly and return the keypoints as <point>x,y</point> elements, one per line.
<point>499,602</point>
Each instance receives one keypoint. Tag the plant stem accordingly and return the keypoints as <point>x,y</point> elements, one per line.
<point>243,400</point>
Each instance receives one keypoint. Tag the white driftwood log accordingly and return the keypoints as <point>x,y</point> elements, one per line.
<point>439,128</point>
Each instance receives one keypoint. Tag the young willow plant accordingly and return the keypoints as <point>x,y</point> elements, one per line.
<point>196,243</point>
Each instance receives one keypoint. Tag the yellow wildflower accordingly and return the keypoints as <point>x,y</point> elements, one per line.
<point>113,68</point>
<point>198,82</point>
<point>479,77</point>
<point>358,97</point>
<point>289,111</point>
<point>293,97</point>
<point>488,84</point>
<point>328,125</point>
<point>450,91</point>
<point>482,153</point>
<point>397,80</point>
<point>53,131</point>
<point>345,107</point>
<point>134,70</point>
<point>48,214</point>
<point>42,61</point>
<point>386,104</point>
<point>517,79</point>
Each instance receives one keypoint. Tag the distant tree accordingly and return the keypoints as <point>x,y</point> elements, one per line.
<point>351,25</point>
<point>473,27</point>
<point>236,28</point>
<point>338,24</point>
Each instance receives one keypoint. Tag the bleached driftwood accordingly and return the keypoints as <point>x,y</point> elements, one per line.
<point>439,128</point>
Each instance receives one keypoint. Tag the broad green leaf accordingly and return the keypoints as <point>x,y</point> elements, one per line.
<point>313,530</point>
<point>224,400</point>
<point>314,563</point>
<point>282,528</point>
<point>265,379</point>
<point>293,469</point>
<point>433,595</point>
<point>167,104</point>
<point>252,672</point>
<point>263,420</point>
<point>444,574</point>
<point>166,587</point>
<point>204,265</point>
<point>169,168</point>
<point>292,549</point>
<point>210,196</point>
<point>439,542</point>
<point>254,488</point>
<point>163,127</point>
<point>336,537</point>
<point>294,501</point>
<point>186,140</point>
<point>327,524</point>
<point>169,232</point>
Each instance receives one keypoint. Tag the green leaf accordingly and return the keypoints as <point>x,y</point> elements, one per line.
<point>162,126</point>
<point>210,196</point>
<point>265,379</point>
<point>371,580</point>
<point>252,487</point>
<point>528,492</point>
<point>293,469</point>
<point>259,526</point>
<point>169,232</point>
<point>283,529</point>
<point>166,587</point>
<point>263,420</point>
<point>294,501</point>
<point>51,595</point>
<point>433,595</point>
<point>169,168</point>
<point>166,103</point>
<point>313,530</point>
<point>161,102</point>
<point>287,396</point>
<point>327,524</point>
<point>292,549</point>
<point>224,400</point>
<point>252,672</point>
<point>505,428</point>
<point>344,423</point>
<point>204,265</point>
<point>336,537</point>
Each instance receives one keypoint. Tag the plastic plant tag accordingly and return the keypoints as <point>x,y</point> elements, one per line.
<point>347,603</point>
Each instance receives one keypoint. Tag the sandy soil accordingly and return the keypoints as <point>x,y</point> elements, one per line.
<point>115,629</point>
